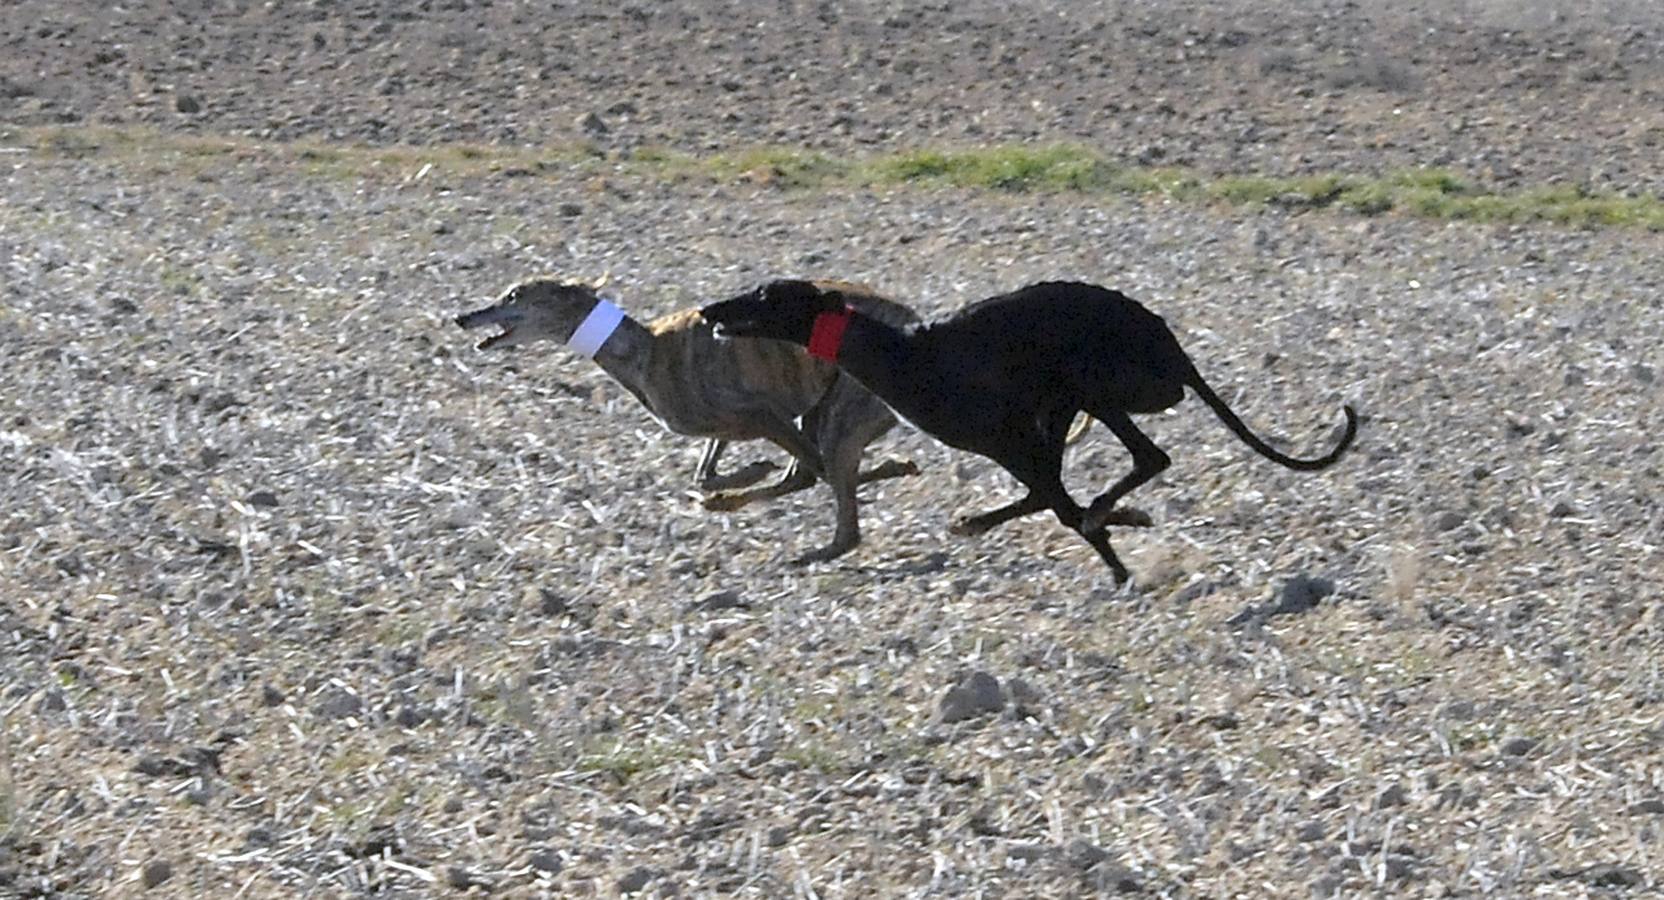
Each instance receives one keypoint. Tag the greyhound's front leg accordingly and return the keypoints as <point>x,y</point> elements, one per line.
<point>805,469</point>
<point>711,481</point>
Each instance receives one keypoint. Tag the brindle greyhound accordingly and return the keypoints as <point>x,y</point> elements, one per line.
<point>723,390</point>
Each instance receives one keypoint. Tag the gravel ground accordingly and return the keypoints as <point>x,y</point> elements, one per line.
<point>300,593</point>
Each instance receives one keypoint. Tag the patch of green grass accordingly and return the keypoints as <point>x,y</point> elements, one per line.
<point>9,805</point>
<point>623,761</point>
<point>1422,192</point>
<point>786,168</point>
<point>1053,168</point>
<point>815,757</point>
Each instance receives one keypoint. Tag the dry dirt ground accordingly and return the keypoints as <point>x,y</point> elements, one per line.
<point>301,595</point>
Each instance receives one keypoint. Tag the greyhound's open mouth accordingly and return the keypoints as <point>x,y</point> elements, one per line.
<point>492,316</point>
<point>730,330</point>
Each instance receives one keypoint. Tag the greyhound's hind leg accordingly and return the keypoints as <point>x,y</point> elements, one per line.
<point>984,522</point>
<point>1148,461</point>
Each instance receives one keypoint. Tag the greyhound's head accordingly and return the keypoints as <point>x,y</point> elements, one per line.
<point>783,310</point>
<point>533,310</point>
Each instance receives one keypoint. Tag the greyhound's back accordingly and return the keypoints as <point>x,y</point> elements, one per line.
<point>1043,336</point>
<point>870,302</point>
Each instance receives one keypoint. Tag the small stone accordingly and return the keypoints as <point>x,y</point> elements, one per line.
<point>1311,831</point>
<point>592,123</point>
<point>1024,696</point>
<point>1602,875</point>
<point>155,872</point>
<point>1561,509</point>
<point>156,766</point>
<point>1653,807</point>
<point>408,716</point>
<point>979,693</point>
<point>461,879</point>
<point>720,600</point>
<point>1113,877</point>
<point>339,704</point>
<point>550,603</point>
<point>570,210</point>
<point>1518,746</point>
<point>546,861</point>
<point>1643,373</point>
<point>1027,852</point>
<point>1194,591</point>
<point>1447,520</point>
<point>187,104</point>
<point>262,498</point>
<point>1083,854</point>
<point>1393,795</point>
<point>453,804</point>
<point>52,702</point>
<point>636,879</point>
<point>778,836</point>
<point>1301,593</point>
<point>270,695</point>
<point>1224,721</point>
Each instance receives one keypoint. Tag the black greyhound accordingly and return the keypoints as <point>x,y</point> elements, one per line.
<point>1005,376</point>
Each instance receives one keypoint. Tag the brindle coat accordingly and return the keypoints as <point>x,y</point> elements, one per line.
<point>727,391</point>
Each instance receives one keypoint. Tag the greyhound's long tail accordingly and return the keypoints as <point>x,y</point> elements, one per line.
<point>1248,437</point>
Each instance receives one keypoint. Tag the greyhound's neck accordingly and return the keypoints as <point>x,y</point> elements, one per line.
<point>627,355</point>
<point>880,356</point>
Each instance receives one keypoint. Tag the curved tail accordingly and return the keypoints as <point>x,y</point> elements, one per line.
<point>1248,437</point>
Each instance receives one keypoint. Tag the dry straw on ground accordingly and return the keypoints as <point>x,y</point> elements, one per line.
<point>299,593</point>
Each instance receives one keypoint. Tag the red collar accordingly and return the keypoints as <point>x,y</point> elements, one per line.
<point>828,334</point>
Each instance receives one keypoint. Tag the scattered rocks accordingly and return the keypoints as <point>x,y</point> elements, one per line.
<point>155,872</point>
<point>1083,854</point>
<point>1448,520</point>
<point>716,601</point>
<point>545,861</point>
<point>339,703</point>
<point>551,603</point>
<point>1391,796</point>
<point>1025,697</point>
<point>977,695</point>
<point>1299,594</point>
<point>1606,875</point>
<point>637,879</point>
<point>187,104</point>
<point>460,878</point>
<point>1518,746</point>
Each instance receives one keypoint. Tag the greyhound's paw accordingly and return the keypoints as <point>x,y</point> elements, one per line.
<point>1129,517</point>
<point>1124,516</point>
<point>739,478</point>
<point>891,468</point>
<point>724,502</point>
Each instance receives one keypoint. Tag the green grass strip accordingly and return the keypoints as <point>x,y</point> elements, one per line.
<point>1424,193</point>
